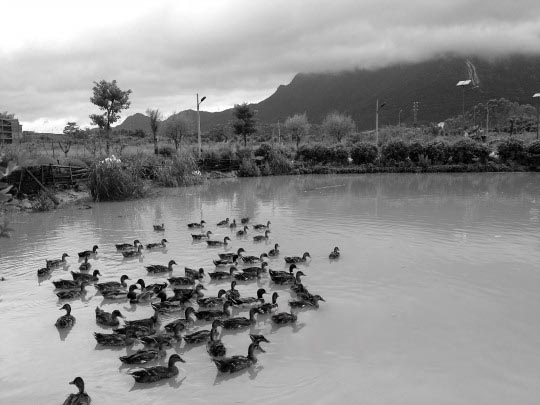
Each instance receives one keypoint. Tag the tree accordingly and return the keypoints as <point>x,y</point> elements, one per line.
<point>176,128</point>
<point>298,126</point>
<point>155,116</point>
<point>338,125</point>
<point>6,115</point>
<point>109,98</point>
<point>244,123</point>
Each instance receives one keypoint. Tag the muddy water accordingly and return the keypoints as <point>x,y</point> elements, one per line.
<point>434,300</point>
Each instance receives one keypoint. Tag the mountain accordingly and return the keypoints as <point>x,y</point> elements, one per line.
<point>431,83</point>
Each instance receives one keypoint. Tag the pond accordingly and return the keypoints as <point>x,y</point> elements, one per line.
<point>435,298</point>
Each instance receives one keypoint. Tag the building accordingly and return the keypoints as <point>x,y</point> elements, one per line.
<point>10,129</point>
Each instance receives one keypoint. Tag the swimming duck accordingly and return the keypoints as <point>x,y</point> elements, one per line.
<point>67,320</point>
<point>85,266</point>
<point>194,274</point>
<point>87,253</point>
<point>199,236</point>
<point>284,318</point>
<point>226,262</point>
<point>202,335</point>
<point>183,295</point>
<point>274,252</point>
<point>258,338</point>
<point>254,259</point>
<point>187,320</point>
<point>244,220</point>
<point>57,262</point>
<point>237,363</point>
<point>44,271</point>
<point>113,285</point>
<point>233,224</point>
<point>267,307</point>
<point>127,246</point>
<point>262,226</point>
<point>155,288</point>
<point>210,302</point>
<point>114,339</point>
<point>334,254</point>
<point>249,301</point>
<point>156,373</point>
<point>313,302</point>
<point>242,232</point>
<point>108,318</point>
<point>256,270</point>
<point>215,346</point>
<point>288,279</point>
<point>133,253</point>
<point>159,245</point>
<point>91,278</point>
<point>220,275</point>
<point>233,292</point>
<point>137,331</point>
<point>281,273</point>
<point>143,296</point>
<point>296,259</point>
<point>243,276</point>
<point>118,293</point>
<point>170,338</point>
<point>226,239</point>
<point>81,397</point>
<point>211,314</point>
<point>224,222</point>
<point>231,255</point>
<point>148,322</point>
<point>194,225</point>
<point>65,284</point>
<point>159,268</point>
<point>181,280</point>
<point>260,238</point>
<point>166,304</point>
<point>241,321</point>
<point>159,228</point>
<point>143,356</point>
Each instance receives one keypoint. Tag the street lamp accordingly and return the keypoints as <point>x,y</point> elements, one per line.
<point>487,115</point>
<point>537,95</point>
<point>377,109</point>
<point>399,118</point>
<point>463,84</point>
<point>199,123</point>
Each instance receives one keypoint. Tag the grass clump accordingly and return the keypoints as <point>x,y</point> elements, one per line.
<point>110,181</point>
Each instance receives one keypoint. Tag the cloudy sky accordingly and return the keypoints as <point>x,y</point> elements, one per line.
<point>230,51</point>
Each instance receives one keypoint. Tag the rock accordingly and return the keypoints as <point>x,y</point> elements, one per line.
<point>26,204</point>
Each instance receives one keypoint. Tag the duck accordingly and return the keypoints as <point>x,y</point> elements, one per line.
<point>221,275</point>
<point>159,228</point>
<point>274,252</point>
<point>211,314</point>
<point>156,373</point>
<point>288,279</point>
<point>226,239</point>
<point>232,224</point>
<point>81,397</point>
<point>155,288</point>
<point>255,269</point>
<point>237,363</point>
<point>224,222</point>
<point>143,356</point>
<point>166,304</point>
<point>297,259</point>
<point>113,285</point>
<point>254,259</point>
<point>143,297</point>
<point>119,293</point>
<point>133,253</point>
<point>194,274</point>
<point>194,225</point>
<point>187,320</point>
<point>260,238</point>
<point>85,266</point>
<point>284,318</point>
<point>241,321</point>
<point>183,295</point>
<point>242,232</point>
<point>67,320</point>
<point>243,276</point>
<point>158,245</point>
<point>258,338</point>
<point>231,255</point>
<point>244,220</point>
<point>302,303</point>
<point>281,273</point>
<point>127,246</point>
<point>210,302</point>
<point>66,284</point>
<point>181,280</point>
<point>148,322</point>
<point>91,278</point>
<point>87,253</point>
<point>334,254</point>
<point>262,226</point>
<point>170,338</point>
<point>268,307</point>
<point>115,339</point>
<point>137,331</point>
<point>199,236</point>
<point>233,292</point>
<point>249,301</point>
<point>108,318</point>
<point>202,335</point>
<point>215,346</point>
<point>226,262</point>
<point>44,271</point>
<point>159,268</point>
<point>57,262</point>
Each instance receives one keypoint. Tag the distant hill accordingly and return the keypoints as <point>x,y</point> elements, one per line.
<point>432,84</point>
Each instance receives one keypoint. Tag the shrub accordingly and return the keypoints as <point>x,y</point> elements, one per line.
<point>468,151</point>
<point>109,181</point>
<point>181,170</point>
<point>264,150</point>
<point>316,153</point>
<point>364,153</point>
<point>511,149</point>
<point>42,203</point>
<point>396,150</point>
<point>248,168</point>
<point>437,152</point>
<point>338,154</point>
<point>534,148</point>
<point>244,153</point>
<point>167,151</point>
<point>417,151</point>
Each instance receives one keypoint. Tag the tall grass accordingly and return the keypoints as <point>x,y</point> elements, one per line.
<point>109,180</point>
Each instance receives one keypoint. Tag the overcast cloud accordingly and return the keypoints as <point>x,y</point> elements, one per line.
<point>230,51</point>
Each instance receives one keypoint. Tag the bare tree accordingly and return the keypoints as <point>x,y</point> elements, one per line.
<point>338,125</point>
<point>155,117</point>
<point>298,126</point>
<point>176,128</point>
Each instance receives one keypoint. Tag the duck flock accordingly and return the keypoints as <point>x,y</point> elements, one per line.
<point>182,299</point>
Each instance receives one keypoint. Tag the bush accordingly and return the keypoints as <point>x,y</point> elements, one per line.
<point>245,153</point>
<point>264,150</point>
<point>338,154</point>
<point>438,152</point>
<point>396,150</point>
<point>167,151</point>
<point>248,168</point>
<point>511,149</point>
<point>316,153</point>
<point>364,153</point>
<point>534,148</point>
<point>109,181</point>
<point>181,170</point>
<point>468,151</point>
<point>417,152</point>
<point>42,203</point>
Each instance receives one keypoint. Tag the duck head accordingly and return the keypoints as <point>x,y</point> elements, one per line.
<point>171,262</point>
<point>260,293</point>
<point>174,359</point>
<point>95,248</point>
<point>117,313</point>
<point>79,383</point>
<point>258,338</point>
<point>221,293</point>
<point>67,307</point>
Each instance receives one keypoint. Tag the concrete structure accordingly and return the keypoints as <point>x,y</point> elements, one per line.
<point>10,129</point>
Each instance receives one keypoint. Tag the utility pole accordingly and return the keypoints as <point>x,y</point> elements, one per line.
<point>377,109</point>
<point>537,96</point>
<point>415,109</point>
<point>399,117</point>
<point>199,124</point>
<point>279,132</point>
